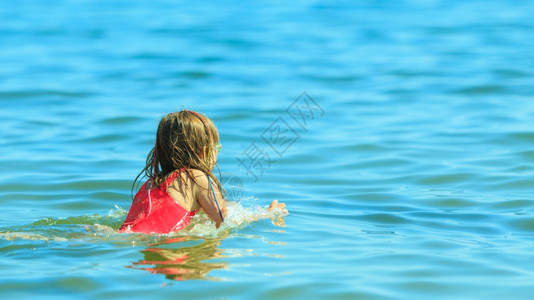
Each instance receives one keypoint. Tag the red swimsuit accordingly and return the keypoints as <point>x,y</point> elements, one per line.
<point>155,211</point>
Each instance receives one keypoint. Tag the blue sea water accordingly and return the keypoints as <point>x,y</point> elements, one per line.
<point>398,133</point>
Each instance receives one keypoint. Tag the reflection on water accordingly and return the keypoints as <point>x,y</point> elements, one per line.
<point>191,257</point>
<point>182,258</point>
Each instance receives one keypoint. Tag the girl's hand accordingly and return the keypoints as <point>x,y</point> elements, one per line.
<point>278,206</point>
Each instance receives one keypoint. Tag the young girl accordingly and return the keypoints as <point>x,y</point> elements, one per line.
<point>180,178</point>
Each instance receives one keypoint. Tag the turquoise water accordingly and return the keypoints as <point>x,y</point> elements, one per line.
<point>408,174</point>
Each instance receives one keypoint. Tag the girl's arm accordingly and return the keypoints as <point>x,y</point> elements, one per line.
<point>204,195</point>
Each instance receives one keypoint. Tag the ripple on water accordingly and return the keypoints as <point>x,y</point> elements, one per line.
<point>121,120</point>
<point>522,141</point>
<point>526,156</point>
<point>526,137</point>
<point>522,224</point>
<point>513,205</point>
<point>385,218</point>
<point>194,74</point>
<point>33,94</point>
<point>482,90</point>
<point>380,163</point>
<point>451,203</point>
<point>447,179</point>
<point>64,185</point>
<point>329,289</point>
<point>105,139</point>
<point>514,184</point>
<point>375,198</point>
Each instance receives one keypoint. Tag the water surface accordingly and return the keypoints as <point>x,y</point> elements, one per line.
<point>408,174</point>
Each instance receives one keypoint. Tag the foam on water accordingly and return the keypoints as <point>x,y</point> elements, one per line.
<point>105,226</point>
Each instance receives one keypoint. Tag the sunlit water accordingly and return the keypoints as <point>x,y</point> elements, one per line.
<point>409,175</point>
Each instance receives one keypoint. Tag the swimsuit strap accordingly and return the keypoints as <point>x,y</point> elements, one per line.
<point>171,178</point>
<point>215,198</point>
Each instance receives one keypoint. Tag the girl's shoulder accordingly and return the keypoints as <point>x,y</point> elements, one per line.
<point>195,173</point>
<point>198,176</point>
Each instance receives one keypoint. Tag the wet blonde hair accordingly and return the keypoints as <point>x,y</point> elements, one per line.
<point>185,140</point>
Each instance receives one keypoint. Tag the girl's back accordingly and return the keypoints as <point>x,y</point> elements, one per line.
<point>166,208</point>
